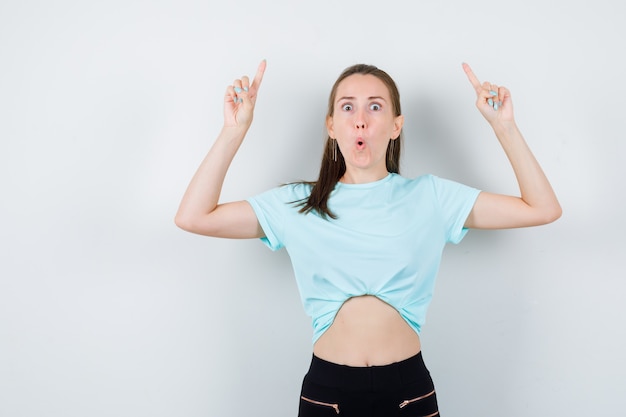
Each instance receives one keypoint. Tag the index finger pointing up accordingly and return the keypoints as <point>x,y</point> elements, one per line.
<point>471,77</point>
<point>256,82</point>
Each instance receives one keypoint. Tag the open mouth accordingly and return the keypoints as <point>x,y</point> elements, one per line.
<point>360,144</point>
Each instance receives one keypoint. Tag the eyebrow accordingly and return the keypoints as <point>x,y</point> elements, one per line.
<point>369,98</point>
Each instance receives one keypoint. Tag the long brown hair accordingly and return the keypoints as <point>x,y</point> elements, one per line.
<point>332,170</point>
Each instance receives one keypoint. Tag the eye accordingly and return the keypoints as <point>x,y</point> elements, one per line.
<point>375,107</point>
<point>346,107</point>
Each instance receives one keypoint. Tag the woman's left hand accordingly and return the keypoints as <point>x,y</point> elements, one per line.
<point>493,101</point>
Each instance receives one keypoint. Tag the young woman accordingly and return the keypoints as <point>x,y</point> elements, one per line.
<point>365,242</point>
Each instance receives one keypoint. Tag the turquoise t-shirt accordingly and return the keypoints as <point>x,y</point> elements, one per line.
<point>387,241</point>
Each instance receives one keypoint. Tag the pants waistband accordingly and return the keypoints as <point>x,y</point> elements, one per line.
<point>383,377</point>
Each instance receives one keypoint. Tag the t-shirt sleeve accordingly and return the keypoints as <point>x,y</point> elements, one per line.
<point>456,201</point>
<point>272,209</point>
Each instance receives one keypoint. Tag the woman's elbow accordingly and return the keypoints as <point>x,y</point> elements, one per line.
<point>200,225</point>
<point>181,221</point>
<point>552,214</point>
<point>185,222</point>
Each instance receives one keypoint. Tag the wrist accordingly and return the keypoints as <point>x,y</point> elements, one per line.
<point>233,133</point>
<point>505,128</point>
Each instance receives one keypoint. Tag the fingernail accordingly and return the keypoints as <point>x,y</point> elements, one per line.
<point>245,89</point>
<point>493,93</point>
<point>495,106</point>
<point>237,90</point>
<point>490,102</point>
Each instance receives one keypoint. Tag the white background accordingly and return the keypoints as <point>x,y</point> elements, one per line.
<point>107,108</point>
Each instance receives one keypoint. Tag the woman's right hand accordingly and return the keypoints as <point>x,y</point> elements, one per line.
<point>240,99</point>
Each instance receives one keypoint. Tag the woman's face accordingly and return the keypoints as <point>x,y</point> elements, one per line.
<point>363,122</point>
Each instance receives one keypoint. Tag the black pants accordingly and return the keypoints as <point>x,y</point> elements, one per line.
<point>400,389</point>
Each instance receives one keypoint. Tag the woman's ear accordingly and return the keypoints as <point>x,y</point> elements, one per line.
<point>329,127</point>
<point>398,122</point>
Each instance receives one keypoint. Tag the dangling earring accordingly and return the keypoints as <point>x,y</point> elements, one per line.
<point>334,145</point>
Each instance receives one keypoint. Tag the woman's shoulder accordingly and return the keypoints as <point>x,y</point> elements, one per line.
<point>413,182</point>
<point>425,184</point>
<point>289,191</point>
<point>297,188</point>
<point>427,179</point>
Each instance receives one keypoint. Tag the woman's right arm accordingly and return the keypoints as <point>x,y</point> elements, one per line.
<point>199,211</point>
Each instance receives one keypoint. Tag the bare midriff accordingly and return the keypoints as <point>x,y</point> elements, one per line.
<point>367,332</point>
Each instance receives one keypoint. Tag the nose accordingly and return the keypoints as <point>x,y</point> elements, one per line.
<point>359,121</point>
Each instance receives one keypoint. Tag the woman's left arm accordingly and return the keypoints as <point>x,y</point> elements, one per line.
<point>537,204</point>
